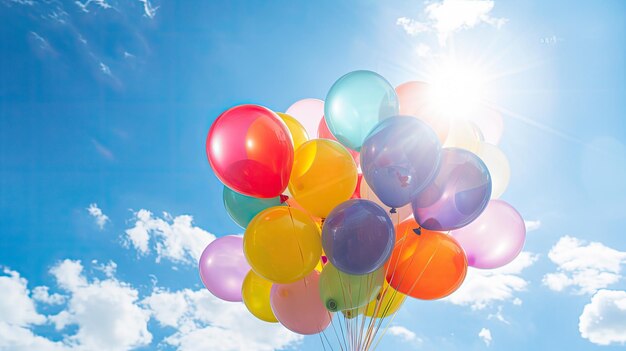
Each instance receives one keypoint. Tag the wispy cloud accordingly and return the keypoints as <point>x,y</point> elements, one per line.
<point>84,6</point>
<point>586,266</point>
<point>23,2</point>
<point>148,9</point>
<point>40,43</point>
<point>98,215</point>
<point>603,320</point>
<point>103,150</point>
<point>449,16</point>
<point>105,69</point>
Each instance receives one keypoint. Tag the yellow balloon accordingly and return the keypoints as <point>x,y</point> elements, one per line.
<point>390,303</point>
<point>298,133</point>
<point>323,176</point>
<point>498,166</point>
<point>255,292</point>
<point>465,135</point>
<point>282,244</point>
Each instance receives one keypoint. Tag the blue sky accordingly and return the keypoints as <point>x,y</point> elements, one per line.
<point>108,103</point>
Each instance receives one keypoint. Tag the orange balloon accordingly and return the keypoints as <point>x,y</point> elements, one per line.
<point>427,266</point>
<point>415,100</point>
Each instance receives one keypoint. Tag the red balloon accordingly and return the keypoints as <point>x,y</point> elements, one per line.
<point>323,132</point>
<point>250,149</point>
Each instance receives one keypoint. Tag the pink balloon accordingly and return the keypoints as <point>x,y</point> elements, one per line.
<point>223,267</point>
<point>493,239</point>
<point>308,112</point>
<point>323,132</point>
<point>298,305</point>
<point>415,100</point>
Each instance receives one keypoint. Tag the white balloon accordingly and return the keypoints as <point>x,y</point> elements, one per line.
<point>498,166</point>
<point>401,214</point>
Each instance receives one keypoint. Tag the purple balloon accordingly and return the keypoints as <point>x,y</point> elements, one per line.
<point>223,267</point>
<point>457,196</point>
<point>495,238</point>
<point>399,158</point>
<point>358,236</point>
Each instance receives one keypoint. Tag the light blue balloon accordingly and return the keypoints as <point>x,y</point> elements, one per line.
<point>356,103</point>
<point>242,208</point>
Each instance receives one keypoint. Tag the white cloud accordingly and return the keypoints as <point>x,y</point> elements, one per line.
<point>18,314</point>
<point>41,294</point>
<point>109,315</point>
<point>485,336</point>
<point>404,334</point>
<point>482,287</point>
<point>105,312</point>
<point>586,266</point>
<point>203,322</point>
<point>603,320</point>
<point>174,238</point>
<point>448,16</point>
<point>100,217</point>
<point>16,306</point>
<point>532,225</point>
<point>411,26</point>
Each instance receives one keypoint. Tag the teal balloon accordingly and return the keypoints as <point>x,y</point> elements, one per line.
<point>356,103</point>
<point>242,208</point>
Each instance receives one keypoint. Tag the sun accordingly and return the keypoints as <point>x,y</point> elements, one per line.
<point>457,89</point>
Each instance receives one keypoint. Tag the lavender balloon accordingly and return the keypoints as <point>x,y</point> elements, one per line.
<point>399,158</point>
<point>358,236</point>
<point>495,238</point>
<point>223,267</point>
<point>457,196</point>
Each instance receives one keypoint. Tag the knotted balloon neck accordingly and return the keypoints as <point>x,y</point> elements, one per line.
<point>418,231</point>
<point>331,305</point>
<point>393,210</point>
<point>283,198</point>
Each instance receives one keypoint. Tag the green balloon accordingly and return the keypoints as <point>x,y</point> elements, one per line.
<point>341,291</point>
<point>242,208</point>
<point>356,103</point>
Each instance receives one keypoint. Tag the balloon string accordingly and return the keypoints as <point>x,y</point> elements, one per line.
<point>402,247</point>
<point>393,272</point>
<point>432,256</point>
<point>327,340</point>
<point>344,302</point>
<point>332,323</point>
<point>322,341</point>
<point>293,230</point>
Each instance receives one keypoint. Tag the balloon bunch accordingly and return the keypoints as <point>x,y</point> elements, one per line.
<point>390,200</point>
